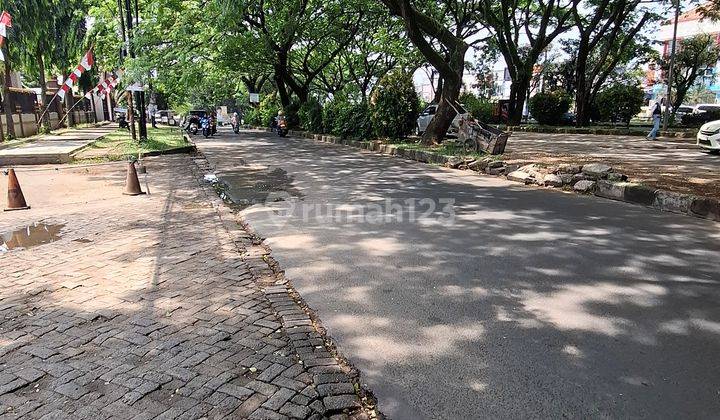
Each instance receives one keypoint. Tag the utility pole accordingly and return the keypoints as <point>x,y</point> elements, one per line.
<point>9,125</point>
<point>668,101</point>
<point>123,54</point>
<point>142,109</point>
<point>131,52</point>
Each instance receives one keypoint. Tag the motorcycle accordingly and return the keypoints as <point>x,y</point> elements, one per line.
<point>206,128</point>
<point>123,123</point>
<point>193,124</point>
<point>282,127</point>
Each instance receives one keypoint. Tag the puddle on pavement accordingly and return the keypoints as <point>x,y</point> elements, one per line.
<point>30,236</point>
<point>247,187</point>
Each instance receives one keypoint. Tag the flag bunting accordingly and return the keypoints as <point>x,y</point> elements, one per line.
<point>105,86</point>
<point>5,22</point>
<point>85,64</point>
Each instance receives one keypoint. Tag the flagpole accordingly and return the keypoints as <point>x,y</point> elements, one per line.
<point>40,120</point>
<point>89,51</point>
<point>71,108</point>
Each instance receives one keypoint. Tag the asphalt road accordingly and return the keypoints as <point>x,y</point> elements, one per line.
<point>528,303</point>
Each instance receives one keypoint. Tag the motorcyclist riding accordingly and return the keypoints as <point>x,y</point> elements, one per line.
<point>280,124</point>
<point>192,119</point>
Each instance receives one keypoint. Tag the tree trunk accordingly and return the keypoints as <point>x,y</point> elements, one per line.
<point>131,116</point>
<point>282,89</point>
<point>10,126</point>
<point>451,85</point>
<point>583,107</point>
<point>518,92</point>
<point>582,90</point>
<point>143,116</point>
<point>438,91</point>
<point>445,114</point>
<point>69,102</point>
<point>43,90</point>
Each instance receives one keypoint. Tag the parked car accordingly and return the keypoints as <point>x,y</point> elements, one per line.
<point>165,117</point>
<point>429,113</point>
<point>568,118</point>
<point>701,108</point>
<point>684,110</point>
<point>709,136</point>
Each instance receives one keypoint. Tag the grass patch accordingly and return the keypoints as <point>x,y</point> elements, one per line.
<point>446,149</point>
<point>118,145</point>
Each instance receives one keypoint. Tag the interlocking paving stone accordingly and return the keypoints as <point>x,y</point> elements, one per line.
<point>161,315</point>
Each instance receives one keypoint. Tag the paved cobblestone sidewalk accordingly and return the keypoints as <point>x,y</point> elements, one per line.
<point>152,307</point>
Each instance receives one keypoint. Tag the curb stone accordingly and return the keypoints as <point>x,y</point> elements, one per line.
<point>614,188</point>
<point>307,340</point>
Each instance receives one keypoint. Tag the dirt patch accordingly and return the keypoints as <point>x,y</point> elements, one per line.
<point>668,165</point>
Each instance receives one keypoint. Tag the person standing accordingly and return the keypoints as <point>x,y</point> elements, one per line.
<point>656,117</point>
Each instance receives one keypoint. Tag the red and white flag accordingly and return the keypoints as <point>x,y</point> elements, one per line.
<point>85,64</point>
<point>5,22</point>
<point>105,86</point>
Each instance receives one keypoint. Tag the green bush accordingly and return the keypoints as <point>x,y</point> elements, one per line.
<point>354,121</point>
<point>310,116</point>
<point>345,118</point>
<point>548,108</point>
<point>394,106</point>
<point>619,103</point>
<point>480,109</point>
<point>252,117</point>
<point>268,109</point>
<point>330,114</point>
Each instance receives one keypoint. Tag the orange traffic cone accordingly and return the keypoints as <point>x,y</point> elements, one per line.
<point>16,199</point>
<point>132,184</point>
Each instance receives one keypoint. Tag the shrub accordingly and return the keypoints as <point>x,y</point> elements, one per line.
<point>268,109</point>
<point>330,116</point>
<point>480,109</point>
<point>344,118</point>
<point>354,121</point>
<point>252,117</point>
<point>310,116</point>
<point>619,103</point>
<point>394,106</point>
<point>548,108</point>
<point>697,120</point>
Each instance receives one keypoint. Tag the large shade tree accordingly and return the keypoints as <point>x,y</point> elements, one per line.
<point>297,39</point>
<point>694,56</point>
<point>608,35</point>
<point>523,30</point>
<point>442,32</point>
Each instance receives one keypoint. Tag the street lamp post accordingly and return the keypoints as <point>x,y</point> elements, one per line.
<point>668,102</point>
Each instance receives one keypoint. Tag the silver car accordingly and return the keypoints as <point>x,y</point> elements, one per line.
<point>429,113</point>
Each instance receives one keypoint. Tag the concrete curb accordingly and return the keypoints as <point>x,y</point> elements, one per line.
<point>685,134</point>
<point>308,339</point>
<point>663,200</point>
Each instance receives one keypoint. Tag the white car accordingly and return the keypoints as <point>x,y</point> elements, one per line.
<point>709,136</point>
<point>429,113</point>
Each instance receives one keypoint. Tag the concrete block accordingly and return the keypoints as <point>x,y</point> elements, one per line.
<point>612,190</point>
<point>672,202</point>
<point>640,194</point>
<point>704,207</point>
